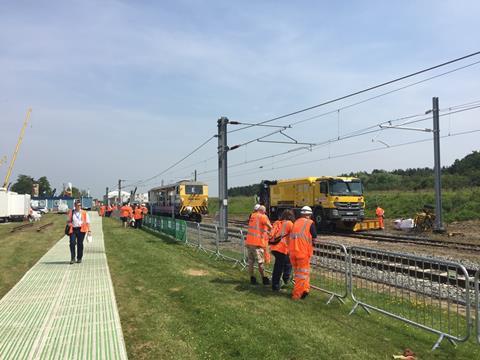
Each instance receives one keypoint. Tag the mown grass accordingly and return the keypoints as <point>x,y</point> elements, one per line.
<point>20,250</point>
<point>176,303</point>
<point>458,205</point>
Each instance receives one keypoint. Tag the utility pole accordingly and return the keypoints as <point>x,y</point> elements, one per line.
<point>119,192</point>
<point>438,225</point>
<point>195,175</point>
<point>222,178</point>
<point>106,196</point>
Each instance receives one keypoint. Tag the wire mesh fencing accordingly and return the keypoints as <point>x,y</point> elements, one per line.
<point>477,304</point>
<point>329,270</point>
<point>429,293</point>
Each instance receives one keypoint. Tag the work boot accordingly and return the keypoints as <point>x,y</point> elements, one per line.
<point>72,261</point>
<point>304,295</point>
<point>266,281</point>
<point>253,280</point>
<point>79,261</point>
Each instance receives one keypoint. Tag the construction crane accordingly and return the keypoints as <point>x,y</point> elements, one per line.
<point>19,142</point>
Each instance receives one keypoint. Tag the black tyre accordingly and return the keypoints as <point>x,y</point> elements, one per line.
<point>319,218</point>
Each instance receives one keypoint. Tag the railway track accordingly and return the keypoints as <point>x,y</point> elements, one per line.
<point>409,240</point>
<point>415,240</point>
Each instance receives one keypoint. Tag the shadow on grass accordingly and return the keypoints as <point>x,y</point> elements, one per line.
<point>245,286</point>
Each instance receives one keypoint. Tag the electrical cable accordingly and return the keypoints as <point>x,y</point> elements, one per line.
<point>362,91</point>
<point>360,132</point>
<point>262,169</point>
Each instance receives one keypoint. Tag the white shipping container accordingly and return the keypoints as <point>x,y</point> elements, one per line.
<point>3,204</point>
<point>18,205</point>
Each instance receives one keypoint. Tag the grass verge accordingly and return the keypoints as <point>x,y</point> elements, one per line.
<point>177,303</point>
<point>20,250</point>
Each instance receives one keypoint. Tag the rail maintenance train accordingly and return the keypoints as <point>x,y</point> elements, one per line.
<point>337,202</point>
<point>185,200</point>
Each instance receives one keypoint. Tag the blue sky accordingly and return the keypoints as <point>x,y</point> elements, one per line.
<point>123,89</point>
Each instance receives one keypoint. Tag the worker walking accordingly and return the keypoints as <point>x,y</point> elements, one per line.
<point>79,224</point>
<point>256,242</point>
<point>279,247</point>
<point>300,248</point>
<point>102,210</point>
<point>138,216</point>
<point>126,213</point>
<point>108,210</point>
<point>380,216</point>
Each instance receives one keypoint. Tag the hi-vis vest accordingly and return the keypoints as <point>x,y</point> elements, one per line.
<point>379,212</point>
<point>256,235</point>
<point>300,239</point>
<point>281,229</point>
<point>138,213</point>
<point>84,227</point>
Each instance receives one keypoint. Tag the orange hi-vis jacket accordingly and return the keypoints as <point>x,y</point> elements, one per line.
<point>126,211</point>
<point>281,229</point>
<point>379,212</point>
<point>144,209</point>
<point>109,208</point>
<point>300,239</point>
<point>257,230</point>
<point>138,213</point>
<point>102,210</point>
<point>85,227</point>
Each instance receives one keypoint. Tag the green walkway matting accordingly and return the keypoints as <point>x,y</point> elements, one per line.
<point>63,311</point>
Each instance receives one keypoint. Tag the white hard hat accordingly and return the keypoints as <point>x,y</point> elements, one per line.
<point>307,210</point>
<point>262,208</point>
<point>256,207</point>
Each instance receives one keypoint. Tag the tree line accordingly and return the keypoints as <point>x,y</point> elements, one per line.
<point>462,173</point>
<point>24,185</point>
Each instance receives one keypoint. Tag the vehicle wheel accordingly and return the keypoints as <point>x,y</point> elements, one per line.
<point>318,218</point>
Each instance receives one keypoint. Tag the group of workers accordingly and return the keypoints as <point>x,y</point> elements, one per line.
<point>291,243</point>
<point>132,215</point>
<point>106,210</point>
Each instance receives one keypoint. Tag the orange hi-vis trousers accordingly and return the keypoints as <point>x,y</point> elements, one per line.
<point>301,270</point>
<point>380,222</point>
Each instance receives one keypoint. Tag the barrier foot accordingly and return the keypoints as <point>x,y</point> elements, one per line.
<point>437,344</point>
<point>333,296</point>
<point>355,308</point>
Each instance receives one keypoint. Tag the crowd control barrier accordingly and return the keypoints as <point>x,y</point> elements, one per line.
<point>477,305</point>
<point>425,292</point>
<point>429,293</point>
<point>329,270</point>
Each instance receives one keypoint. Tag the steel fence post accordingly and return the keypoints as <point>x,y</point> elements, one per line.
<point>477,305</point>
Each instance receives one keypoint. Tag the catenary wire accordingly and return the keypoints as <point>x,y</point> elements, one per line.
<point>362,91</point>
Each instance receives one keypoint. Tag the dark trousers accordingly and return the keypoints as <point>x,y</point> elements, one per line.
<point>138,223</point>
<point>281,269</point>
<point>76,238</point>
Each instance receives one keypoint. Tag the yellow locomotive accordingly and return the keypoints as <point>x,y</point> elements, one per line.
<point>185,199</point>
<point>335,201</point>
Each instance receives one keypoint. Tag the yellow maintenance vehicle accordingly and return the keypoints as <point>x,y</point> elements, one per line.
<point>335,201</point>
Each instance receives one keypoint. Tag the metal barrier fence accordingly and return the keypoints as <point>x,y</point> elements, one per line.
<point>428,293</point>
<point>329,270</point>
<point>477,304</point>
<point>172,227</point>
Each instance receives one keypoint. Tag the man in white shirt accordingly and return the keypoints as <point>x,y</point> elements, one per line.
<point>79,223</point>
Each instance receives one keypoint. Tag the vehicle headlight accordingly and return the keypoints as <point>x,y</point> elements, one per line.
<point>334,212</point>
